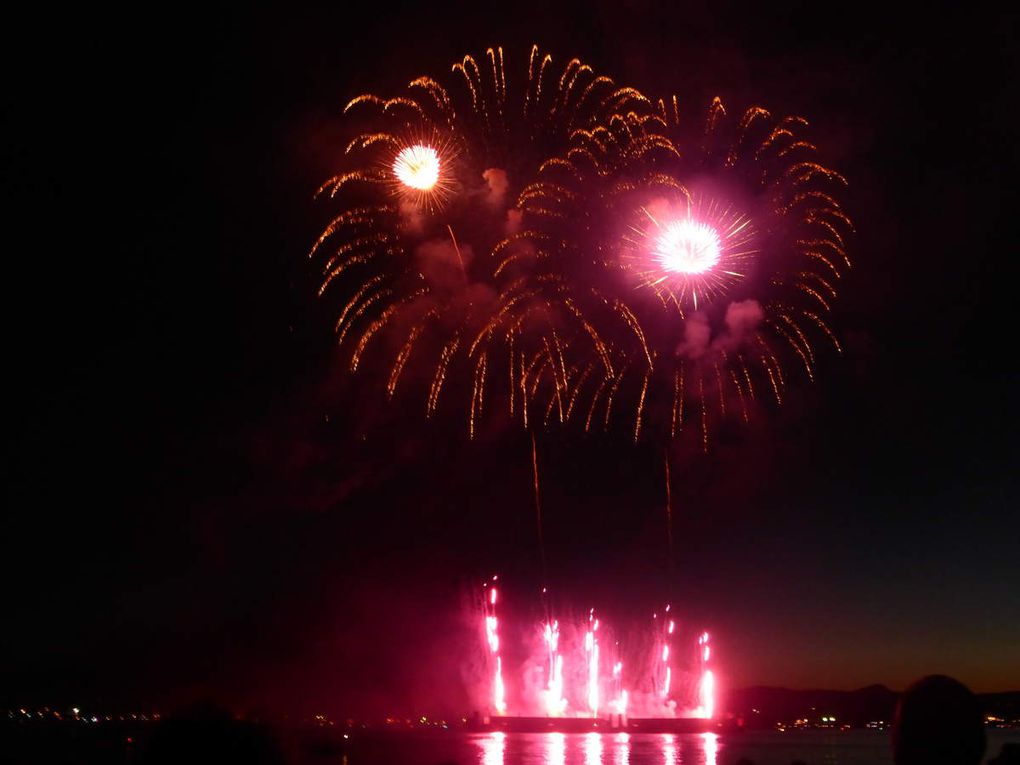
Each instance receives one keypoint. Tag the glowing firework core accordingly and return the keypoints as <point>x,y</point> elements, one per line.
<point>417,167</point>
<point>687,246</point>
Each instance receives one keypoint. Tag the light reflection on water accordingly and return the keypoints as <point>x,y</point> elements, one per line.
<point>597,749</point>
<point>555,748</point>
<point>622,749</point>
<point>858,747</point>
<point>711,744</point>
<point>669,753</point>
<point>493,748</point>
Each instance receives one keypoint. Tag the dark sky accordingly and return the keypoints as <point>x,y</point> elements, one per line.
<point>198,505</point>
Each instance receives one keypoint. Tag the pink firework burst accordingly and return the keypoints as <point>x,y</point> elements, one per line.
<point>689,249</point>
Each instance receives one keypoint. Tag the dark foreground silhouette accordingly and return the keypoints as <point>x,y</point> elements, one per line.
<point>938,722</point>
<point>1009,755</point>
<point>207,734</point>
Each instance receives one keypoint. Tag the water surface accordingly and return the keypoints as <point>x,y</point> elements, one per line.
<point>858,747</point>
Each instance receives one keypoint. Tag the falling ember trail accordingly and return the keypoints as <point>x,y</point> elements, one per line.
<point>456,248</point>
<point>669,524</point>
<point>538,507</point>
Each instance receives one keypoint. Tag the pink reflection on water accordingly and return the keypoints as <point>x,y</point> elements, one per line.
<point>670,753</point>
<point>555,748</point>
<point>493,747</point>
<point>592,749</point>
<point>622,749</point>
<point>710,741</point>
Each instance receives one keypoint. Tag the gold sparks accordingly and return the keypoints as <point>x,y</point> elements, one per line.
<point>570,303</point>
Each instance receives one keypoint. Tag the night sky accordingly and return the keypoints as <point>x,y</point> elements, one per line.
<point>201,504</point>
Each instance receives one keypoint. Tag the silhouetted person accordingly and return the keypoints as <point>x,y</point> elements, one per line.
<point>207,734</point>
<point>938,722</point>
<point>1009,755</point>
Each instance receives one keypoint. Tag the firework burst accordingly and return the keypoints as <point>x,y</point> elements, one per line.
<point>690,249</point>
<point>416,251</point>
<point>704,263</point>
<point>573,251</point>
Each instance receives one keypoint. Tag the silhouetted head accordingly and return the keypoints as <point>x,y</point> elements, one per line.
<point>1009,755</point>
<point>938,722</point>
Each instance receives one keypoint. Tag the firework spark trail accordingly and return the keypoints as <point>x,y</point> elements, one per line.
<point>679,687</point>
<point>619,702</point>
<point>669,627</point>
<point>492,638</point>
<point>591,648</point>
<point>555,704</point>
<point>706,686</point>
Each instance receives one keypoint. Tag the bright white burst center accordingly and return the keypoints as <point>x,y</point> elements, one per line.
<point>417,166</point>
<point>687,247</point>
